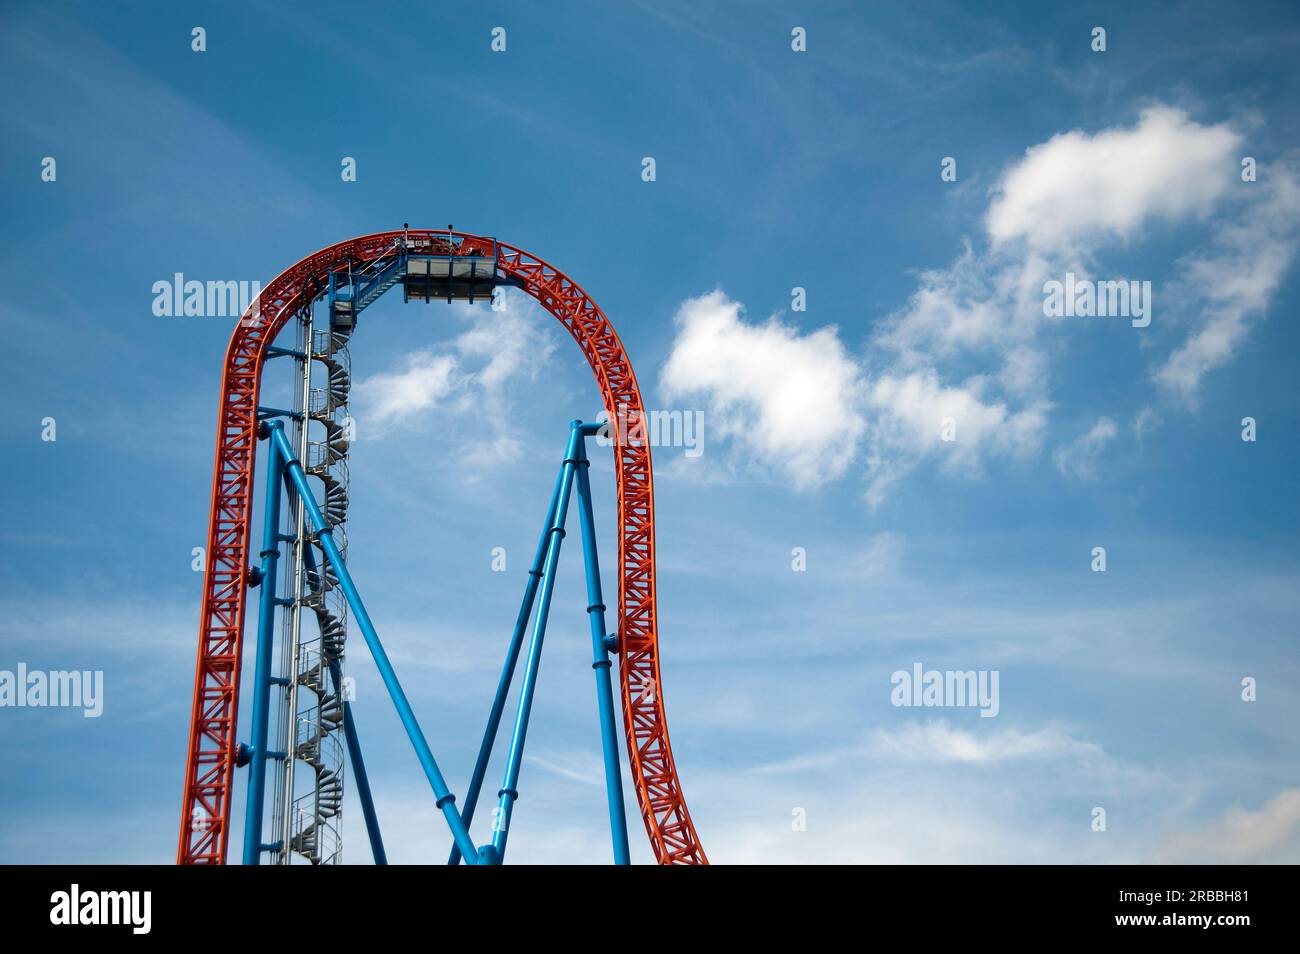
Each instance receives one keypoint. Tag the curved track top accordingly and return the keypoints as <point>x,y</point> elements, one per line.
<point>205,822</point>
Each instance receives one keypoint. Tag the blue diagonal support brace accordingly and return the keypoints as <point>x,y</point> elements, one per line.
<point>508,669</point>
<point>509,792</point>
<point>446,801</point>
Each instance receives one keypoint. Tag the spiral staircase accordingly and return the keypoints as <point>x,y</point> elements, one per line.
<point>309,795</point>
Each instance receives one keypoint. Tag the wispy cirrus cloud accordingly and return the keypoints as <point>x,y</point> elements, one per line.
<point>1233,283</point>
<point>938,740</point>
<point>157,155</point>
<point>1078,459</point>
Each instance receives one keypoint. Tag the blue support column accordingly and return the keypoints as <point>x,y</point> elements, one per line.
<point>446,801</point>
<point>508,670</point>
<point>359,773</point>
<point>262,672</point>
<point>600,663</point>
<point>509,787</point>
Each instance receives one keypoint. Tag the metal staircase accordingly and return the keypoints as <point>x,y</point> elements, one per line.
<point>309,795</point>
<point>352,290</point>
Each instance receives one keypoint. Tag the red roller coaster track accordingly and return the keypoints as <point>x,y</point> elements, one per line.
<point>205,820</point>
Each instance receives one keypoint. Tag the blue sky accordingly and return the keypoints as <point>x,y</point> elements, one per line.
<point>775,170</point>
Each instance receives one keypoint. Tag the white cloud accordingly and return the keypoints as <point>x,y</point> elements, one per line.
<point>585,767</point>
<point>1061,201</point>
<point>985,308</point>
<point>145,627</point>
<point>979,303</point>
<point>420,386</point>
<point>1078,459</point>
<point>940,742</point>
<point>1235,282</point>
<point>913,413</point>
<point>480,456</point>
<point>926,825</point>
<point>802,403</point>
<point>1270,835</point>
<point>790,400</point>
<point>881,557</point>
<point>1054,210</point>
<point>914,408</point>
<point>510,343</point>
<point>972,343</point>
<point>472,375</point>
<point>1145,422</point>
<point>1079,189</point>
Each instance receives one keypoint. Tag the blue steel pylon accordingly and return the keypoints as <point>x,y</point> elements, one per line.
<point>284,465</point>
<point>541,575</point>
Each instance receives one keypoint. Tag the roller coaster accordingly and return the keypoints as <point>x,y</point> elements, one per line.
<point>301,714</point>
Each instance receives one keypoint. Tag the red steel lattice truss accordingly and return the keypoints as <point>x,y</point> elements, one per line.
<point>205,820</point>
